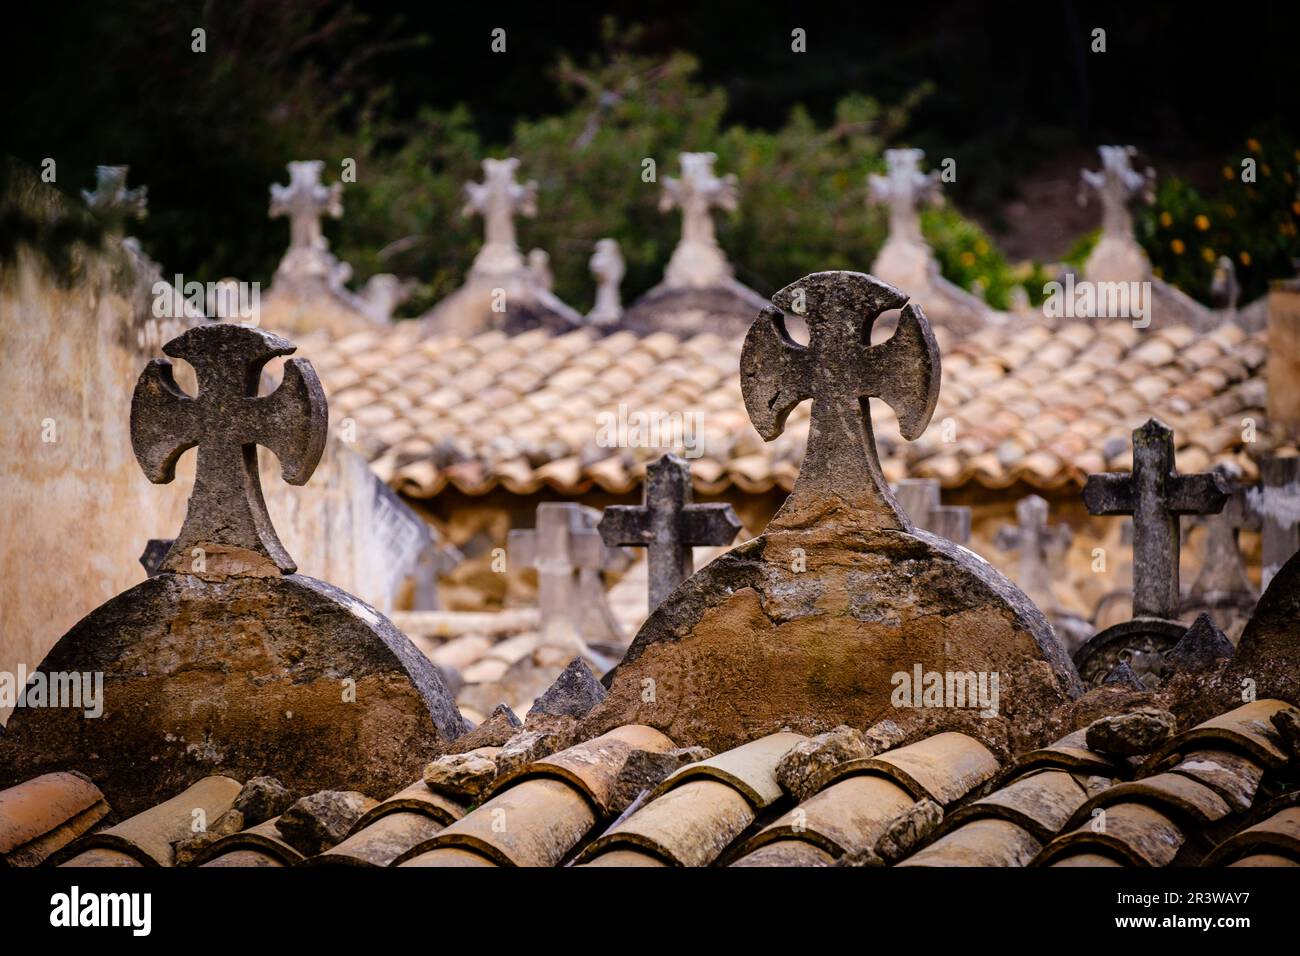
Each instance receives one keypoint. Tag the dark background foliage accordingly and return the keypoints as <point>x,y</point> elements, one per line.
<point>414,93</point>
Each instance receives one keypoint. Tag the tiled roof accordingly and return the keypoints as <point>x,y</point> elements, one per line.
<point>1212,795</point>
<point>1018,403</point>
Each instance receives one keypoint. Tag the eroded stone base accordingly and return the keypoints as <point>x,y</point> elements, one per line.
<point>285,676</point>
<point>750,645</point>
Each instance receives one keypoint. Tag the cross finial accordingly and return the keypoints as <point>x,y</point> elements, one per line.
<point>227,420</point>
<point>608,267</point>
<point>304,201</point>
<point>111,201</point>
<point>1119,185</point>
<point>668,525</point>
<point>1156,496</point>
<point>903,188</point>
<point>839,370</point>
<point>698,260</point>
<point>497,199</point>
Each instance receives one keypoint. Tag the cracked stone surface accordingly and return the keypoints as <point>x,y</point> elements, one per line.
<point>801,770</point>
<point>462,776</point>
<point>906,834</point>
<point>806,625</point>
<point>318,822</point>
<point>1133,734</point>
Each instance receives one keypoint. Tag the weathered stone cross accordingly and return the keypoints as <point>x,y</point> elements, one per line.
<point>227,420</point>
<point>561,544</point>
<point>497,199</point>
<point>1034,540</point>
<point>903,188</point>
<point>1118,184</point>
<point>1156,496</point>
<point>839,370</point>
<point>919,497</point>
<point>1222,579</point>
<point>112,201</point>
<point>698,260</point>
<point>304,201</point>
<point>668,525</point>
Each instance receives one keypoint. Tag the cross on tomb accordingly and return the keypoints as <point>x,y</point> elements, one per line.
<point>561,545</point>
<point>668,525</point>
<point>226,421</point>
<point>1156,496</point>
<point>919,497</point>
<point>497,199</point>
<point>903,188</point>
<point>305,200</point>
<point>1222,579</point>
<point>696,194</point>
<point>838,370</point>
<point>111,201</point>
<point>1034,540</point>
<point>591,556</point>
<point>1118,184</point>
<point>1277,502</point>
<point>698,260</point>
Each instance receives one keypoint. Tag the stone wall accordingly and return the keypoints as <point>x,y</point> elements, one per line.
<point>76,329</point>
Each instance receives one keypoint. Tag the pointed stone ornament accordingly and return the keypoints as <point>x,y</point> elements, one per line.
<point>1157,497</point>
<point>813,623</point>
<point>1121,675</point>
<point>1200,646</point>
<point>668,525</point>
<point>226,661</point>
<point>226,421</point>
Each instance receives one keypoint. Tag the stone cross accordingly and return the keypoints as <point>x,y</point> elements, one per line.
<point>1156,496</point>
<point>226,421</point>
<point>1277,502</point>
<point>903,188</point>
<point>608,268</point>
<point>562,544</point>
<point>839,371</point>
<point>497,199</point>
<point>919,497</point>
<point>304,201</point>
<point>1035,541</point>
<point>1118,185</point>
<point>698,260</point>
<point>1222,578</point>
<point>111,201</point>
<point>668,525</point>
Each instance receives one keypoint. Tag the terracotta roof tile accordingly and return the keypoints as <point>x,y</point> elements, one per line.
<point>1279,833</point>
<point>260,845</point>
<point>985,842</point>
<point>943,767</point>
<point>45,814</point>
<point>148,837</point>
<point>1012,390</point>
<point>1138,834</point>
